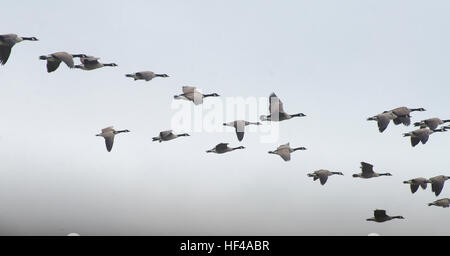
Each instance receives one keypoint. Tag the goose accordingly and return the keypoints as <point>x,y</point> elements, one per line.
<point>277,111</point>
<point>437,183</point>
<point>7,42</point>
<point>431,123</point>
<point>284,151</point>
<point>223,148</point>
<point>168,135</point>
<point>380,216</point>
<point>145,75</point>
<point>383,119</point>
<point>239,125</point>
<point>91,63</point>
<point>415,183</point>
<point>322,175</point>
<point>54,59</point>
<point>444,202</point>
<point>403,116</point>
<point>367,172</point>
<point>422,135</point>
<point>108,133</point>
<point>190,93</point>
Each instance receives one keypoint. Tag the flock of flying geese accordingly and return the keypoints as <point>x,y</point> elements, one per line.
<point>399,115</point>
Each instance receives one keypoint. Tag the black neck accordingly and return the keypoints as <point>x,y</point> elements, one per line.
<point>110,64</point>
<point>122,131</point>
<point>298,115</point>
<point>446,121</point>
<point>384,174</point>
<point>184,134</point>
<point>28,38</point>
<point>300,148</point>
<point>160,75</point>
<point>77,55</point>
<point>416,109</point>
<point>209,95</point>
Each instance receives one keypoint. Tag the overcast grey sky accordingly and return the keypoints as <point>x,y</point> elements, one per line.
<point>338,62</point>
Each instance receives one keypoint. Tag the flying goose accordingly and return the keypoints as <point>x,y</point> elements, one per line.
<point>54,59</point>
<point>6,44</point>
<point>191,94</point>
<point>145,75</point>
<point>277,111</point>
<point>437,183</point>
<point>91,63</point>
<point>380,216</point>
<point>403,116</point>
<point>322,175</point>
<point>239,125</point>
<point>383,119</point>
<point>223,148</point>
<point>431,123</point>
<point>367,172</point>
<point>284,151</point>
<point>108,133</point>
<point>422,135</point>
<point>444,202</point>
<point>415,183</point>
<point>168,135</point>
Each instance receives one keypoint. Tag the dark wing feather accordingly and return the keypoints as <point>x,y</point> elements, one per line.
<point>436,187</point>
<point>383,123</point>
<point>222,146</point>
<point>52,65</point>
<point>240,135</point>
<point>414,141</point>
<point>323,179</point>
<point>109,141</point>
<point>414,188</point>
<point>5,51</point>
<point>366,168</point>
<point>379,214</point>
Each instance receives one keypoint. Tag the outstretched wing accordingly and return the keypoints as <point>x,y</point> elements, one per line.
<point>285,154</point>
<point>406,120</point>
<point>89,61</point>
<point>165,133</point>
<point>437,186</point>
<point>323,179</point>
<point>366,168</point>
<point>64,57</point>
<point>188,89</point>
<point>276,106</point>
<point>414,141</point>
<point>5,51</point>
<point>109,141</point>
<point>222,146</point>
<point>52,65</point>
<point>107,129</point>
<point>424,138</point>
<point>379,214</point>
<point>240,135</point>
<point>414,188</point>
<point>383,122</point>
